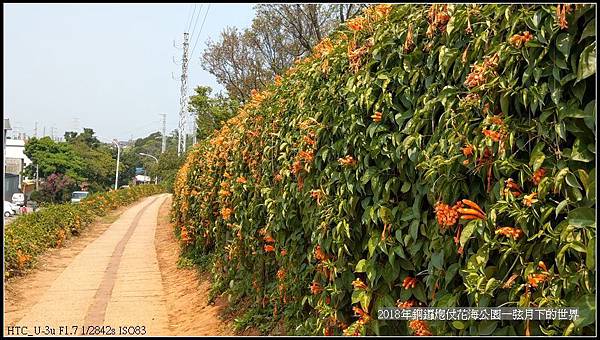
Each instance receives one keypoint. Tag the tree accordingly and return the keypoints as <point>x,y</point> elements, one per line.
<point>167,167</point>
<point>53,157</point>
<point>98,159</point>
<point>243,60</point>
<point>56,188</point>
<point>210,111</point>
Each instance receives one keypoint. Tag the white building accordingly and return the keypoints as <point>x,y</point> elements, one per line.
<point>15,158</point>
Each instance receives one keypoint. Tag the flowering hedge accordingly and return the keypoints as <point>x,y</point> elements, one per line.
<point>28,236</point>
<point>432,155</point>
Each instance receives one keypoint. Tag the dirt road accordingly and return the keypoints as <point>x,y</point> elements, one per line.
<point>113,286</point>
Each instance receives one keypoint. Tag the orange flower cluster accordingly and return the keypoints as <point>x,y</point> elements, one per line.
<point>269,248</point>
<point>383,10</point>
<point>438,17</point>
<point>467,150</point>
<point>528,200</point>
<point>512,188</point>
<point>319,254</point>
<point>535,279</point>
<point>316,288</point>
<point>479,73</point>
<point>317,194</point>
<point>281,274</point>
<point>357,24</point>
<point>355,54</point>
<point>376,117</point>
<point>561,16</point>
<point>519,40</point>
<point>358,284</point>
<point>447,216</point>
<point>224,193</point>
<point>420,327</point>
<point>409,282</point>
<point>364,316</point>
<point>185,236</point>
<point>323,48</point>
<point>493,135</point>
<point>297,167</point>
<point>347,161</point>
<point>278,178</point>
<point>226,213</point>
<point>310,139</point>
<point>497,119</point>
<point>277,80</point>
<point>269,239</point>
<point>538,175</point>
<point>474,212</point>
<point>307,156</point>
<point>514,233</point>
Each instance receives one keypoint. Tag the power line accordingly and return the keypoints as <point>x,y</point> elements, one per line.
<point>196,22</point>
<point>190,18</point>
<point>201,26</point>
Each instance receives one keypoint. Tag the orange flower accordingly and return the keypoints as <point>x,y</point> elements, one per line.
<point>493,135</point>
<point>224,193</point>
<point>281,274</point>
<point>409,282</point>
<point>347,161</point>
<point>383,9</point>
<point>241,179</point>
<point>376,117</point>
<point>316,288</point>
<point>467,150</point>
<point>538,175</point>
<point>420,327</point>
<point>297,167</point>
<point>278,178</point>
<point>447,216</point>
<point>519,40</point>
<point>277,80</point>
<point>409,43</point>
<point>512,188</point>
<point>269,248</point>
<point>269,239</point>
<point>406,304</point>
<point>364,316</point>
<point>319,254</point>
<point>535,279</point>
<point>528,200</point>
<point>356,24</point>
<point>514,233</point>
<point>358,284</point>
<point>306,155</point>
<point>511,281</point>
<point>226,213</point>
<point>283,252</point>
<point>316,194</point>
<point>542,266</point>
<point>561,15</point>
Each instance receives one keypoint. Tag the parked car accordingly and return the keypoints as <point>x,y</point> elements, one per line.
<point>77,196</point>
<point>124,187</point>
<point>10,209</point>
<point>18,198</point>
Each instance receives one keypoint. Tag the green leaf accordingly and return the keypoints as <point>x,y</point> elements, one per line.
<point>561,206</point>
<point>590,257</point>
<point>589,30</point>
<point>437,260</point>
<point>458,325</point>
<point>365,300</point>
<point>451,272</point>
<point>487,327</point>
<point>582,217</point>
<point>587,62</point>
<point>536,154</point>
<point>361,266</point>
<point>580,152</point>
<point>405,187</point>
<point>563,44</point>
<point>467,232</point>
<point>419,292</point>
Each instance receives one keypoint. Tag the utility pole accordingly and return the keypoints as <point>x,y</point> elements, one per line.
<point>184,99</point>
<point>116,142</point>
<point>35,130</point>
<point>37,176</point>
<point>164,133</point>
<point>52,132</point>
<point>44,132</point>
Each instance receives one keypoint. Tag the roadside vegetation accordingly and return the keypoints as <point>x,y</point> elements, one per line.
<point>422,155</point>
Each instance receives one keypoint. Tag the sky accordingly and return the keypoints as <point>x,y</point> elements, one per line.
<point>109,67</point>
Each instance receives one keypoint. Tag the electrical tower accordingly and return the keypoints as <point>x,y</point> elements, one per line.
<point>164,133</point>
<point>184,99</point>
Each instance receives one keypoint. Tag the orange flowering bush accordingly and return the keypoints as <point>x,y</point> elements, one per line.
<point>466,118</point>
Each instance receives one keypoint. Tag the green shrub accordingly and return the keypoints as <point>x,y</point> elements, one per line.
<point>339,188</point>
<point>29,235</point>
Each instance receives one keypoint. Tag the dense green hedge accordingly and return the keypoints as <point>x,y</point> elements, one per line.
<point>338,189</point>
<point>29,235</point>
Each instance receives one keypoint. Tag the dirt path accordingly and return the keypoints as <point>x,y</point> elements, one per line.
<point>186,291</point>
<point>122,276</point>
